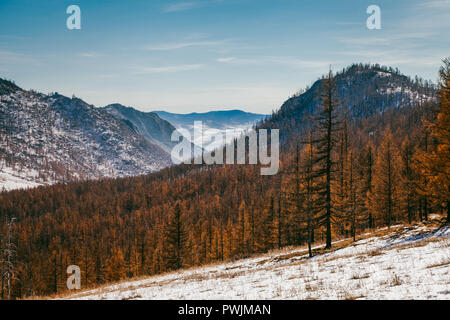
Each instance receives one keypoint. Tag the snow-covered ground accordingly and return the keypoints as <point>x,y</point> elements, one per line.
<point>403,263</point>
<point>11,179</point>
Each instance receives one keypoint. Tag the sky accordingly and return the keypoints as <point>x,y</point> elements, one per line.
<point>201,55</point>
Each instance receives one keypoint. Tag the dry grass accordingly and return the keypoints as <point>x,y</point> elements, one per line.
<point>395,281</point>
<point>440,264</point>
<point>360,276</point>
<point>374,253</point>
<point>344,295</point>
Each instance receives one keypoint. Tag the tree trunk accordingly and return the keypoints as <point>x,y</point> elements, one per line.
<point>420,210</point>
<point>448,211</point>
<point>309,241</point>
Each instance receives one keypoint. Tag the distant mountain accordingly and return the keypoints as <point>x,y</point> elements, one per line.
<point>214,119</point>
<point>52,138</point>
<point>149,124</point>
<point>213,122</point>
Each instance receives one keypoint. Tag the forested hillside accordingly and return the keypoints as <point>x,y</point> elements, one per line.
<point>348,163</point>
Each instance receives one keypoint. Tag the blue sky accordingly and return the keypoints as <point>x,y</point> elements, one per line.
<point>198,55</point>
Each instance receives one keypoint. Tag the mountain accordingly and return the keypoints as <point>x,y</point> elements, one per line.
<point>155,129</point>
<point>213,122</point>
<point>149,124</point>
<point>361,90</point>
<point>52,138</point>
<point>214,119</point>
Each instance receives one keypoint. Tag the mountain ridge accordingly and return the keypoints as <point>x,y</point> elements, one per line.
<point>149,124</point>
<point>53,138</point>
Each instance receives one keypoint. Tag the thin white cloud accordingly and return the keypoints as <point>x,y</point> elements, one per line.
<point>15,57</point>
<point>440,4</point>
<point>415,40</point>
<point>197,36</point>
<point>348,23</point>
<point>90,55</point>
<point>363,41</point>
<point>181,45</point>
<point>429,16</point>
<point>224,60</point>
<point>393,57</point>
<point>187,5</point>
<point>168,69</point>
<point>180,6</point>
<point>278,60</point>
<point>387,40</point>
<point>108,75</point>
<point>13,37</point>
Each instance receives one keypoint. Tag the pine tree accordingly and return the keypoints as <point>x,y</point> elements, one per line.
<point>386,179</point>
<point>293,190</point>
<point>9,255</point>
<point>327,126</point>
<point>424,183</point>
<point>176,240</point>
<point>366,167</point>
<point>268,229</point>
<point>55,261</point>
<point>279,222</point>
<point>408,178</point>
<point>115,269</point>
<point>245,232</point>
<point>308,190</point>
<point>340,184</point>
<point>355,201</point>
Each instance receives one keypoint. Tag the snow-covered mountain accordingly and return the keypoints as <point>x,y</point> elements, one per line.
<point>213,122</point>
<point>52,138</point>
<point>361,91</point>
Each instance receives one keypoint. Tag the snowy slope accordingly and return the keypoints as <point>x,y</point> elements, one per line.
<point>11,179</point>
<point>54,138</point>
<point>404,263</point>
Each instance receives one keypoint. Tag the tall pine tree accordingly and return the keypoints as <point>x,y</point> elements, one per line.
<point>326,129</point>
